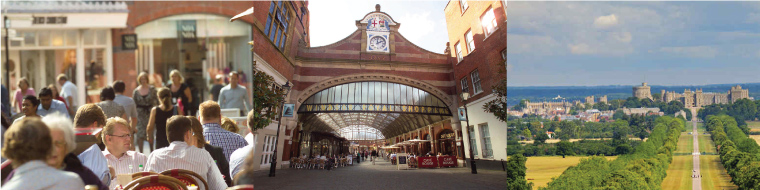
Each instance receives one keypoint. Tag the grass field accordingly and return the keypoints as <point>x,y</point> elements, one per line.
<point>714,176</point>
<point>753,125</point>
<point>542,169</point>
<point>679,171</point>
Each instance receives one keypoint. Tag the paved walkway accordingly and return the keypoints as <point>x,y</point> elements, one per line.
<point>696,182</point>
<point>381,176</point>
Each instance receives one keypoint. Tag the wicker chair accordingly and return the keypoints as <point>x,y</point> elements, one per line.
<point>241,187</point>
<point>321,163</point>
<point>156,182</point>
<point>138,175</point>
<point>186,176</point>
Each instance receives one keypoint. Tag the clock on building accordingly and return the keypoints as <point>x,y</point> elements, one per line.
<point>378,43</point>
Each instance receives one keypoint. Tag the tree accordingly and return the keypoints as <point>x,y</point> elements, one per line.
<point>632,102</point>
<point>540,138</point>
<point>564,147</point>
<point>516,173</point>
<point>657,96</point>
<point>527,133</point>
<point>498,106</point>
<point>623,149</point>
<point>618,115</point>
<point>265,99</point>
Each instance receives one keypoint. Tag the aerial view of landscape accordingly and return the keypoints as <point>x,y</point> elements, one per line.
<point>633,95</point>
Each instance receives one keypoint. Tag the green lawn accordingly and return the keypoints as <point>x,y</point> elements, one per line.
<point>753,125</point>
<point>679,171</point>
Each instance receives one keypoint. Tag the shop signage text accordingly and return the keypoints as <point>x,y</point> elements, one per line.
<point>129,41</point>
<point>447,136</point>
<point>49,20</point>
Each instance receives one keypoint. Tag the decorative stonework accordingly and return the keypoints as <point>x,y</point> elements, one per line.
<point>311,90</point>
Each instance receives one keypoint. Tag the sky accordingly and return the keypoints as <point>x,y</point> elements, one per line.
<point>422,22</point>
<point>627,43</point>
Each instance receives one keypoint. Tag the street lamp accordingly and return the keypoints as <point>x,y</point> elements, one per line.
<point>272,166</point>
<point>465,96</point>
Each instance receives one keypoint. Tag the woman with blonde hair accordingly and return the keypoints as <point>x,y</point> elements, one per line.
<point>145,97</point>
<point>229,125</point>
<point>158,117</point>
<point>180,91</point>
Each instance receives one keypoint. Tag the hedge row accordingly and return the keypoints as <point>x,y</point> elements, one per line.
<point>739,154</point>
<point>643,169</point>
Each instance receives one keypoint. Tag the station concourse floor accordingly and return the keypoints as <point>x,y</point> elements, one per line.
<point>382,176</point>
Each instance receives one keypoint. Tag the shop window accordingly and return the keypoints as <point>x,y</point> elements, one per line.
<point>43,37</point>
<point>89,37</point>
<point>488,21</point>
<point>277,23</point>
<point>486,141</point>
<point>57,36</point>
<point>29,38</point>
<point>471,133</point>
<point>458,52</point>
<point>476,82</point>
<point>95,73</point>
<point>470,42</point>
<point>71,38</point>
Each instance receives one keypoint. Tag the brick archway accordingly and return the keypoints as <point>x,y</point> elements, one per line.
<point>363,77</point>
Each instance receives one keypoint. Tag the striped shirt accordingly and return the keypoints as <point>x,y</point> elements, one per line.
<point>129,163</point>
<point>181,156</point>
<point>217,136</point>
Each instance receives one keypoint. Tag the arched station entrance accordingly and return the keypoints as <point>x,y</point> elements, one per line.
<point>368,111</point>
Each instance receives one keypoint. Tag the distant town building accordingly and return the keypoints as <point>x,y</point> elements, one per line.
<point>642,111</point>
<point>642,91</point>
<point>545,107</point>
<point>698,98</point>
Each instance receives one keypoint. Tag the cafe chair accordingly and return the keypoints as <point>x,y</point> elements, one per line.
<point>186,177</point>
<point>138,175</point>
<point>156,182</point>
<point>321,164</point>
<point>241,187</point>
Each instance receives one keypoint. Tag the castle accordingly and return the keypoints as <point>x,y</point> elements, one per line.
<point>558,107</point>
<point>694,98</point>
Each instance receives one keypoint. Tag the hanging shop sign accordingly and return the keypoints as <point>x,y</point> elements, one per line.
<point>129,42</point>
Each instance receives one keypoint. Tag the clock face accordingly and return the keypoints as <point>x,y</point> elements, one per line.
<point>377,43</point>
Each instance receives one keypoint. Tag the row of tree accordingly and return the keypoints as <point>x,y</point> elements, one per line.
<point>739,154</point>
<point>643,169</point>
<point>741,110</point>
<point>580,148</point>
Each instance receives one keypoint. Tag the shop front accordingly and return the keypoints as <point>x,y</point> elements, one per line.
<point>72,38</point>
<point>200,46</point>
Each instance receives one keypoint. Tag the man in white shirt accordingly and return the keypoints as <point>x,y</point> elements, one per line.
<point>48,105</point>
<point>68,92</point>
<point>117,138</point>
<point>183,154</point>
<point>234,95</point>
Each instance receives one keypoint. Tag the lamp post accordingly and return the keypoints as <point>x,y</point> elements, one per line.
<point>465,96</point>
<point>272,166</point>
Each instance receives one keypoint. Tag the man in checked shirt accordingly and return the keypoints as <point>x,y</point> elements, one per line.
<point>211,118</point>
<point>117,138</point>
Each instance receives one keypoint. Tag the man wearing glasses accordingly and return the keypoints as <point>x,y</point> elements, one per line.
<point>117,138</point>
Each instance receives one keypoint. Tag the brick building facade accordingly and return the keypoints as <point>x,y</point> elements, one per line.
<point>477,48</point>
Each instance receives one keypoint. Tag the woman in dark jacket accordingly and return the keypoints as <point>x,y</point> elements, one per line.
<point>217,153</point>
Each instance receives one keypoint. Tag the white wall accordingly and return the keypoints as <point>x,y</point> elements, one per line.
<point>497,130</point>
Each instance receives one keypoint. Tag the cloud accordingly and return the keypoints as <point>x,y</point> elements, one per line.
<point>692,51</point>
<point>532,44</point>
<point>416,26</point>
<point>604,22</point>
<point>581,48</point>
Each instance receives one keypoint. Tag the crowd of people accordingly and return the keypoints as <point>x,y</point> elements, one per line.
<point>40,151</point>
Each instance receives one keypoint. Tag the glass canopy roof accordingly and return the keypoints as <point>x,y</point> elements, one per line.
<point>388,108</point>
